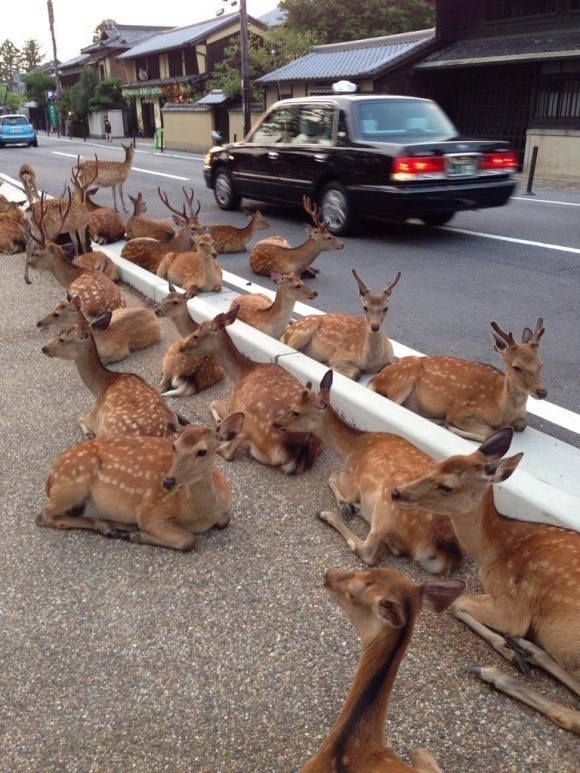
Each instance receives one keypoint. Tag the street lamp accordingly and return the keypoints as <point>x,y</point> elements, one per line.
<point>245,60</point>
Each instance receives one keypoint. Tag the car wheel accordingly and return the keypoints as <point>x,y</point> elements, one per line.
<point>336,209</point>
<point>34,143</point>
<point>437,218</point>
<point>224,192</point>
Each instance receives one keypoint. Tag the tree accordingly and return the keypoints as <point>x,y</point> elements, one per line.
<point>32,55</point>
<point>10,64</point>
<point>81,93</point>
<point>37,84</point>
<point>108,95</point>
<point>336,21</point>
<point>100,28</point>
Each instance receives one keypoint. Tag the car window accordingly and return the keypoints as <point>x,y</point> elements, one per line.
<point>402,121</point>
<point>314,126</point>
<point>14,120</point>
<point>279,126</point>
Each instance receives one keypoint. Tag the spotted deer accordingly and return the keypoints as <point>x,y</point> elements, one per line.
<point>230,239</point>
<point>139,226</point>
<point>13,234</point>
<point>373,463</point>
<point>383,605</point>
<point>144,489</point>
<point>29,181</point>
<point>273,316</point>
<point>274,252</point>
<point>75,223</point>
<point>262,392</point>
<point>105,224</point>
<point>148,253</point>
<point>126,404</point>
<point>530,572</point>
<point>470,398</point>
<point>99,260</point>
<point>129,329</point>
<point>197,267</point>
<point>108,174</point>
<point>348,344</point>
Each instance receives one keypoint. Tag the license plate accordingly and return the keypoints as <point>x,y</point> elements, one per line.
<point>460,166</point>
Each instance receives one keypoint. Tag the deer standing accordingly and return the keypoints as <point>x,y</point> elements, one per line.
<point>108,174</point>
<point>128,330</point>
<point>470,398</point>
<point>530,572</point>
<point>27,177</point>
<point>262,392</point>
<point>383,605</point>
<point>351,345</point>
<point>198,267</point>
<point>229,239</point>
<point>126,404</point>
<point>273,316</point>
<point>275,252</point>
<point>144,489</point>
<point>138,226</point>
<point>373,463</point>
<point>148,253</point>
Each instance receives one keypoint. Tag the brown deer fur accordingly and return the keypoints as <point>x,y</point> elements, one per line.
<point>139,226</point>
<point>199,267</point>
<point>230,239</point>
<point>108,174</point>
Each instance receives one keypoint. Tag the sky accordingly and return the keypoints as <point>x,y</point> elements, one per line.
<point>75,22</point>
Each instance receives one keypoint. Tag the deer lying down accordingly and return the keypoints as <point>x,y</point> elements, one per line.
<point>230,239</point>
<point>351,345</point>
<point>383,605</point>
<point>138,226</point>
<point>126,404</point>
<point>530,572</point>
<point>128,330</point>
<point>13,237</point>
<point>373,462</point>
<point>470,398</point>
<point>144,489</point>
<point>101,261</point>
<point>199,267</point>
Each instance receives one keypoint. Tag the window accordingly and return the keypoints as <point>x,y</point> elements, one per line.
<point>175,63</point>
<point>278,126</point>
<point>314,126</point>
<point>393,120</point>
<point>498,10</point>
<point>558,95</point>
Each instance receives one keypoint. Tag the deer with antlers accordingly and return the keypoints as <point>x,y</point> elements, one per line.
<point>351,345</point>
<point>262,392</point>
<point>27,177</point>
<point>148,253</point>
<point>530,572</point>
<point>129,329</point>
<point>75,223</point>
<point>197,267</point>
<point>230,239</point>
<point>108,174</point>
<point>470,398</point>
<point>373,462</point>
<point>126,404</point>
<point>383,605</point>
<point>182,374</point>
<point>139,226</point>
<point>276,253</point>
<point>272,317</point>
<point>144,489</point>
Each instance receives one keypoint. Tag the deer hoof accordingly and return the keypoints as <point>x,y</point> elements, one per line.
<point>347,510</point>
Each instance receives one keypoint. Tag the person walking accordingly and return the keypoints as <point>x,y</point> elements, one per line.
<point>107,123</point>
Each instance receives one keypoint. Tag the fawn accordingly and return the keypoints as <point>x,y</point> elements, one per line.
<point>470,398</point>
<point>374,462</point>
<point>199,267</point>
<point>273,316</point>
<point>350,345</point>
<point>144,489</point>
<point>530,572</point>
<point>276,253</point>
<point>383,605</point>
<point>262,392</point>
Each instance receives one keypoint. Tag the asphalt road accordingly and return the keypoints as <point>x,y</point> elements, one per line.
<point>229,659</point>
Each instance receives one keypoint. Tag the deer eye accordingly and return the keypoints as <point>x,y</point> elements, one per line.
<point>202,452</point>
<point>444,487</point>
<point>295,414</point>
<point>517,368</point>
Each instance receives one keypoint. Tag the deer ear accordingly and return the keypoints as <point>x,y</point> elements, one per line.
<point>440,595</point>
<point>497,444</point>
<point>75,302</point>
<point>230,427</point>
<point>326,382</point>
<point>102,322</point>
<point>502,469</point>
<point>391,611</point>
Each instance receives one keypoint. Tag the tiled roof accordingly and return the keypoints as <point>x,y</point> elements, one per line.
<point>517,47</point>
<point>215,97</point>
<point>124,36</point>
<point>356,58</point>
<point>273,18</point>
<point>77,61</point>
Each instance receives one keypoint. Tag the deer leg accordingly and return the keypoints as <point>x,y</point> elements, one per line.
<point>467,426</point>
<point>113,188</point>
<point>122,197</point>
<point>348,369</point>
<point>346,494</point>
<point>219,410</point>
<point>158,530</point>
<point>502,615</point>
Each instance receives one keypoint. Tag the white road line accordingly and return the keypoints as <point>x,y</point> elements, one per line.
<point>135,168</point>
<point>527,242</point>
<point>546,201</point>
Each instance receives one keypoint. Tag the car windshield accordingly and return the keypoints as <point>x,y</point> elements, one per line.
<point>13,120</point>
<point>394,120</point>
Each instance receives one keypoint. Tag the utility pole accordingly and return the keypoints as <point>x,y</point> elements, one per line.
<point>245,62</point>
<point>55,62</point>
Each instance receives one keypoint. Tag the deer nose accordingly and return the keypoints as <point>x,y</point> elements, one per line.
<point>375,328</point>
<point>541,393</point>
<point>169,483</point>
<point>395,494</point>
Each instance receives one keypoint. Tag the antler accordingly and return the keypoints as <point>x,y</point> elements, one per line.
<point>189,198</point>
<point>314,212</point>
<point>79,172</point>
<point>529,337</point>
<point>165,200</point>
<point>501,337</point>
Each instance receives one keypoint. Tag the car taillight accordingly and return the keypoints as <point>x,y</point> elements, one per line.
<point>418,167</point>
<point>498,162</point>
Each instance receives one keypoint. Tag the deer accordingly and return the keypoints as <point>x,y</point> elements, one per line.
<point>99,260</point>
<point>275,252</point>
<point>530,572</point>
<point>105,225</point>
<point>148,253</point>
<point>229,239</point>
<point>96,291</point>
<point>471,399</point>
<point>9,206</point>
<point>128,330</point>
<point>348,344</point>
<point>145,489</point>
<point>262,392</point>
<point>29,181</point>
<point>197,267</point>
<point>126,404</point>
<point>138,226</point>
<point>13,235</point>
<point>75,223</point>
<point>373,463</point>
<point>383,605</point>
<point>273,317</point>
<point>108,174</point>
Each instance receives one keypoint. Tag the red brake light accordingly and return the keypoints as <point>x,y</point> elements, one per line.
<point>417,167</point>
<point>499,161</point>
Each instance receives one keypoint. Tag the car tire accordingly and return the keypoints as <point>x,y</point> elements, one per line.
<point>34,143</point>
<point>336,209</point>
<point>223,190</point>
<point>437,218</point>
